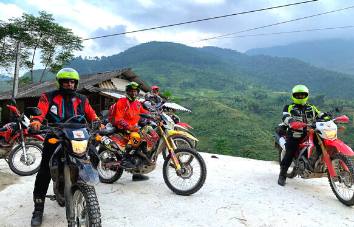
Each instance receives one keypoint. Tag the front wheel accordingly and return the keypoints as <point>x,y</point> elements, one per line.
<point>25,166</point>
<point>108,174</point>
<point>193,174</point>
<point>343,184</point>
<point>86,207</point>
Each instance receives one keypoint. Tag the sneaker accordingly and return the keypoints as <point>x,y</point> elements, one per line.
<point>140,177</point>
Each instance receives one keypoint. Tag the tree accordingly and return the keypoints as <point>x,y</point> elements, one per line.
<point>220,145</point>
<point>10,35</point>
<point>318,99</point>
<point>169,96</point>
<point>40,34</point>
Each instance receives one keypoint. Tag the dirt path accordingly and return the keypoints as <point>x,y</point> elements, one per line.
<point>237,192</point>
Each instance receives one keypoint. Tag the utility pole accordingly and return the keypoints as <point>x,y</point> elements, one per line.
<point>17,69</point>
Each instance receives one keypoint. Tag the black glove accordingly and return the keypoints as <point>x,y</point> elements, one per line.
<point>329,114</point>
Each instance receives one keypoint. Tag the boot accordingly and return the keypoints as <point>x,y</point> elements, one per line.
<point>126,163</point>
<point>37,214</point>
<point>282,175</point>
<point>139,177</point>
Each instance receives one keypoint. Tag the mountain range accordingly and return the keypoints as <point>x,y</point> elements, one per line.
<point>236,99</point>
<point>332,54</point>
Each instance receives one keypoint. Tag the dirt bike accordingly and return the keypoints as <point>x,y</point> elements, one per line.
<point>180,139</point>
<point>73,170</point>
<point>25,158</point>
<point>184,169</point>
<point>179,126</point>
<point>330,160</point>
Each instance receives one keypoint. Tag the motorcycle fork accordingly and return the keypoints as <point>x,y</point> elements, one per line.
<point>171,147</point>
<point>23,142</point>
<point>328,160</point>
<point>70,215</point>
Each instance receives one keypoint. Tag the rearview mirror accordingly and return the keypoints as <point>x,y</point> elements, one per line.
<point>104,113</point>
<point>13,101</point>
<point>339,108</point>
<point>32,111</point>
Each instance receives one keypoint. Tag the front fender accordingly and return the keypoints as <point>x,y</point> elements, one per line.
<point>340,145</point>
<point>172,133</point>
<point>86,171</point>
<point>180,127</point>
<point>184,125</point>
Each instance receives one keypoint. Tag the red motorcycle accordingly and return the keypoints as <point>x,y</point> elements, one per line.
<point>25,158</point>
<point>328,159</point>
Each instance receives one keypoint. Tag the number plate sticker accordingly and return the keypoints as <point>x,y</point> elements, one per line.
<point>78,134</point>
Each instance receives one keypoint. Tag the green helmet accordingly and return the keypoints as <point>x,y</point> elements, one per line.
<point>132,86</point>
<point>67,73</point>
<point>300,89</point>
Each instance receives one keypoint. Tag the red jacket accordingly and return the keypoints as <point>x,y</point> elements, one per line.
<point>52,106</point>
<point>124,113</point>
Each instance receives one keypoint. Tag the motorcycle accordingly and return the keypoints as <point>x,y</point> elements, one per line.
<point>25,158</point>
<point>179,126</point>
<point>73,170</point>
<point>184,169</point>
<point>330,160</point>
<point>179,139</point>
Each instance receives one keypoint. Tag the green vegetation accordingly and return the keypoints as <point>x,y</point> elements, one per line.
<point>55,43</point>
<point>237,100</point>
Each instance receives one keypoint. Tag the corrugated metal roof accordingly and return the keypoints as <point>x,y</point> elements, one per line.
<point>87,82</point>
<point>115,95</point>
<point>167,104</point>
<point>176,106</point>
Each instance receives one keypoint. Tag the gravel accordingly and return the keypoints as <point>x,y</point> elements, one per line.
<point>237,192</point>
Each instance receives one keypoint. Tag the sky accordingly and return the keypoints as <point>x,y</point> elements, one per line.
<point>92,18</point>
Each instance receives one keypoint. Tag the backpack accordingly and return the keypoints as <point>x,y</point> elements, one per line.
<point>112,113</point>
<point>281,129</point>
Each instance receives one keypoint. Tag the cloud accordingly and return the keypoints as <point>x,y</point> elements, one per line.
<point>90,18</point>
<point>8,11</point>
<point>111,45</point>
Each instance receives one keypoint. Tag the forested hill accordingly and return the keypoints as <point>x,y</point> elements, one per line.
<point>236,99</point>
<point>222,67</point>
<point>281,73</point>
<point>333,54</point>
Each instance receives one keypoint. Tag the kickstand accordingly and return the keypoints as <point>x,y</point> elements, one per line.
<point>51,197</point>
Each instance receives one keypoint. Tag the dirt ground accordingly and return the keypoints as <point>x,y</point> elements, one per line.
<point>237,192</point>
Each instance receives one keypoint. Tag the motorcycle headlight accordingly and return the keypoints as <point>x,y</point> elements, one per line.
<point>331,134</point>
<point>79,147</point>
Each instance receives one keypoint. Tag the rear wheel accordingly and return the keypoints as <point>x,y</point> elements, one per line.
<point>194,142</point>
<point>180,142</point>
<point>343,184</point>
<point>25,166</point>
<point>86,208</point>
<point>108,174</point>
<point>193,172</point>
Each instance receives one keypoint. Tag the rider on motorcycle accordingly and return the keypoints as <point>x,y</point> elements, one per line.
<point>57,106</point>
<point>124,115</point>
<point>296,133</point>
<point>153,96</point>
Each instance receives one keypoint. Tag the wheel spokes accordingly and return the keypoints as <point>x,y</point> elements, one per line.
<point>343,182</point>
<point>191,172</point>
